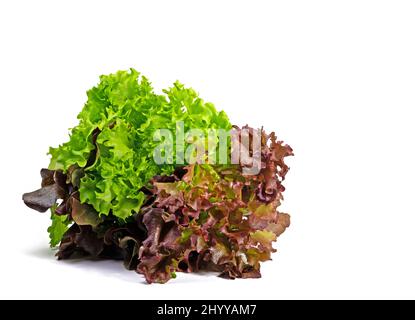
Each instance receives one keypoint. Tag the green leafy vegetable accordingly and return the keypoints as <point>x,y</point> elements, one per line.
<point>58,228</point>
<point>110,199</point>
<point>126,113</point>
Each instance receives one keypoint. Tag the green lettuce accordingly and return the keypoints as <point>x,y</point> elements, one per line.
<point>117,125</point>
<point>58,227</point>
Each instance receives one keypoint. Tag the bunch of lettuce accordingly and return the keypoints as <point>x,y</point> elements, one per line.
<point>109,199</point>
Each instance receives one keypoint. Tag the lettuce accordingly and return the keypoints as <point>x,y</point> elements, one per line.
<point>118,122</point>
<point>110,199</point>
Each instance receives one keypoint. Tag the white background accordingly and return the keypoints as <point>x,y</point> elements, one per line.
<point>334,79</point>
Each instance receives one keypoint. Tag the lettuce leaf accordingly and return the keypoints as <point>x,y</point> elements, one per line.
<point>58,227</point>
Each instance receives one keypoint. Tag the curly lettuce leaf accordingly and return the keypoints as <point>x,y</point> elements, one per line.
<point>57,229</point>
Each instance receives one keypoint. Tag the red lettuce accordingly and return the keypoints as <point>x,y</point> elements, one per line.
<point>201,217</point>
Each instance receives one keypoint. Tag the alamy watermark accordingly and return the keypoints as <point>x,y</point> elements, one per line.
<point>209,146</point>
